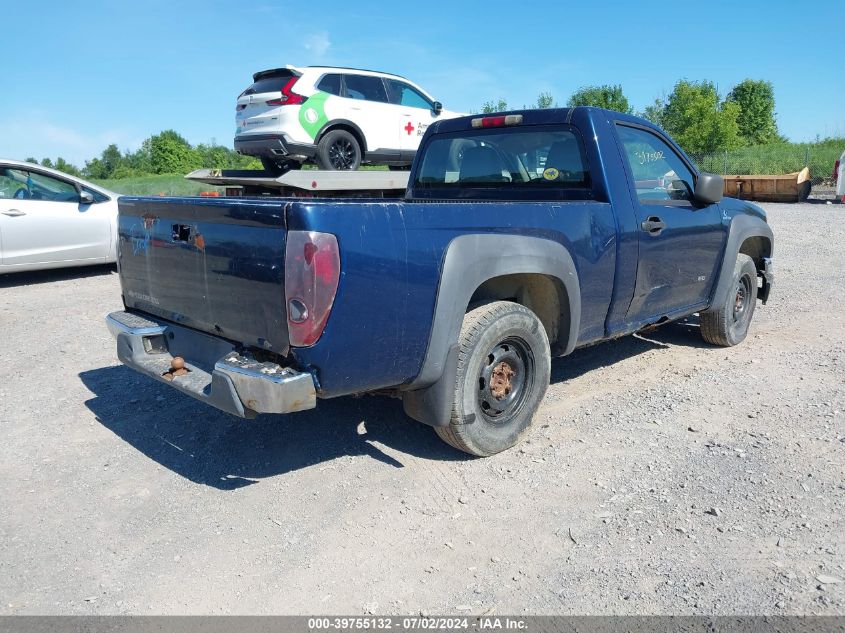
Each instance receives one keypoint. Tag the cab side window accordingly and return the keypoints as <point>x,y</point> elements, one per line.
<point>365,87</point>
<point>402,94</point>
<point>660,175</point>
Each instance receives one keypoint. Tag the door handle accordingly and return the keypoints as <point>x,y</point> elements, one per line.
<point>13,213</point>
<point>653,225</point>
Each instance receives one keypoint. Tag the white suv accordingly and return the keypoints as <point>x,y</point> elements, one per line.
<point>338,117</point>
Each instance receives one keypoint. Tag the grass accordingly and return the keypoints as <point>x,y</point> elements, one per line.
<point>165,185</point>
<point>172,185</point>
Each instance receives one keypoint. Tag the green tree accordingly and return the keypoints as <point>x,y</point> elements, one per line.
<point>499,106</point>
<point>66,167</point>
<point>46,162</point>
<point>545,100</point>
<point>756,120</point>
<point>31,160</point>
<point>697,119</point>
<point>171,154</point>
<point>112,159</point>
<point>215,156</point>
<point>608,97</point>
<point>140,162</point>
<point>654,112</point>
<point>105,166</point>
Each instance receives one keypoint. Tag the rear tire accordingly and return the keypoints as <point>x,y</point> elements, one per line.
<point>727,325</point>
<point>339,150</point>
<point>504,365</point>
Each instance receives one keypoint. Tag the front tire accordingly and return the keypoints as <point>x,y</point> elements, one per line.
<point>339,150</point>
<point>727,325</point>
<point>504,365</point>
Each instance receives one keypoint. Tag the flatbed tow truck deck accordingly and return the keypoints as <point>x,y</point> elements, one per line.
<point>306,183</point>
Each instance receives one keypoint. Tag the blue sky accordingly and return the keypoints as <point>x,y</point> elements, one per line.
<point>80,75</point>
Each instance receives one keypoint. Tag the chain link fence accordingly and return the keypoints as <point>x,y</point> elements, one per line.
<point>773,160</point>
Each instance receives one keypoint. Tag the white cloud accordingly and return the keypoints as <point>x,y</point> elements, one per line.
<point>35,135</point>
<point>318,43</point>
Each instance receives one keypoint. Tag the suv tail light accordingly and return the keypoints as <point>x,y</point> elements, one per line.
<point>835,172</point>
<point>312,272</point>
<point>289,97</point>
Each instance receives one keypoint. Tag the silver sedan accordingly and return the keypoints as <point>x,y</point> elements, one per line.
<point>49,219</point>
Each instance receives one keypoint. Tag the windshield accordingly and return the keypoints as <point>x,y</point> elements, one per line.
<point>520,163</point>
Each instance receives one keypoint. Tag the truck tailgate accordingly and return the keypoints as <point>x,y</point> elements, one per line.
<point>215,265</point>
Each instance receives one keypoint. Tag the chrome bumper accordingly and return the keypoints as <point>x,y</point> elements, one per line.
<point>217,374</point>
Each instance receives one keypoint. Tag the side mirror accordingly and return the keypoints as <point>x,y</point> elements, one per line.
<point>437,107</point>
<point>709,188</point>
<point>85,197</point>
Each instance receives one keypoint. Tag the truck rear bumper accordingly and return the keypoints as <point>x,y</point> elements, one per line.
<point>217,374</point>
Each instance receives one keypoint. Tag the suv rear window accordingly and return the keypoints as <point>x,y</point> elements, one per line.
<point>513,163</point>
<point>269,83</point>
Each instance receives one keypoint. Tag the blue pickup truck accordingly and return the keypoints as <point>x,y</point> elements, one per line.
<point>521,236</point>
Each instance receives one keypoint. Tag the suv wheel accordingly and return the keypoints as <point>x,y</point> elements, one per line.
<point>338,150</point>
<point>503,372</point>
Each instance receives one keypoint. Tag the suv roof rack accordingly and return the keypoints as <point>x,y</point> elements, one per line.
<point>366,70</point>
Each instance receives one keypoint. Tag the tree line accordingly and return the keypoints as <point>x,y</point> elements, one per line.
<point>164,153</point>
<point>694,113</point>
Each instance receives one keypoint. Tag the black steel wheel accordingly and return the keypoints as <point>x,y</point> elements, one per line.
<point>504,380</point>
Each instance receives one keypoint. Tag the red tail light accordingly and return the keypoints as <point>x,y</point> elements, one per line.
<point>289,97</point>
<point>312,272</point>
<point>836,171</point>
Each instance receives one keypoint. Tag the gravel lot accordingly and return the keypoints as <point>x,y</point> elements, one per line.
<point>664,475</point>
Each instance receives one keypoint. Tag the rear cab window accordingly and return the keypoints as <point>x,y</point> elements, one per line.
<point>541,162</point>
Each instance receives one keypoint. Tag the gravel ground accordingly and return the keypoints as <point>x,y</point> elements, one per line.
<point>664,476</point>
